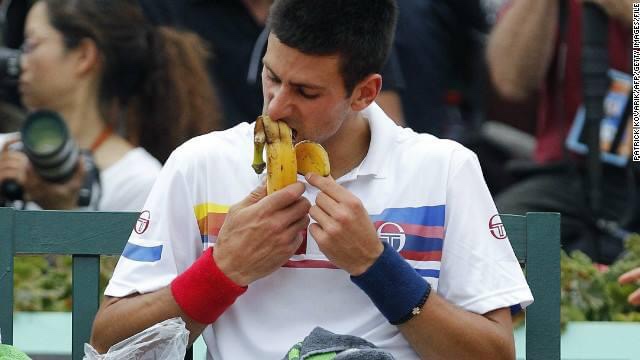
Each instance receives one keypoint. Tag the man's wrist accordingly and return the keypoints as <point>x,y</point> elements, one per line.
<point>203,291</point>
<point>369,261</point>
<point>396,289</point>
<point>225,265</point>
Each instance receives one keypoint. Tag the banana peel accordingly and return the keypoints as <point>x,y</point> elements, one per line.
<point>312,158</point>
<point>284,160</point>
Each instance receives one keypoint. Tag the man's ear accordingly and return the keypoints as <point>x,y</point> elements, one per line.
<point>87,56</point>
<point>366,92</point>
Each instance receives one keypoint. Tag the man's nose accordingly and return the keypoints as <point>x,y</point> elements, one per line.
<point>279,104</point>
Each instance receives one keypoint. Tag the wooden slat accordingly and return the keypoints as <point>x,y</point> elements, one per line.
<point>6,274</point>
<point>86,298</point>
<point>68,232</point>
<point>543,276</point>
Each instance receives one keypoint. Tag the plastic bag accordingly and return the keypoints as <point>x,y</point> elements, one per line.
<point>163,341</point>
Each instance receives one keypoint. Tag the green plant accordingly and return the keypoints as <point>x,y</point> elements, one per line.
<point>43,283</point>
<point>591,294</point>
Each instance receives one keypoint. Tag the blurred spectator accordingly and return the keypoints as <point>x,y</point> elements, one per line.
<point>103,68</point>
<point>529,52</point>
<point>12,15</point>
<point>236,31</point>
<point>439,50</point>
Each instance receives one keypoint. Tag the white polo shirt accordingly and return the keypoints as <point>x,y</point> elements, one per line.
<point>426,196</point>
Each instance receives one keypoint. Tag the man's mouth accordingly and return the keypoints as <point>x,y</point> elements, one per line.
<point>295,134</point>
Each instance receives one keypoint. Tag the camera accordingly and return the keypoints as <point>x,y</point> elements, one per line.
<point>9,67</point>
<point>54,155</point>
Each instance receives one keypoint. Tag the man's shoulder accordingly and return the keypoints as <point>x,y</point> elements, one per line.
<point>427,146</point>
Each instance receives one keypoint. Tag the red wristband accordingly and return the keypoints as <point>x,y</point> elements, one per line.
<point>203,291</point>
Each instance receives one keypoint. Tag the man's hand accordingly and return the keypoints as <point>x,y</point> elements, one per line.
<point>629,277</point>
<point>621,10</point>
<point>261,233</point>
<point>343,231</point>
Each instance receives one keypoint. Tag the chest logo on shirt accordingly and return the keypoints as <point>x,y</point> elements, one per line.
<point>496,228</point>
<point>143,222</point>
<point>393,234</point>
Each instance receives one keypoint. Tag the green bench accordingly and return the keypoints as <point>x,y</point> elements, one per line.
<point>83,235</point>
<point>535,239</point>
<point>87,235</point>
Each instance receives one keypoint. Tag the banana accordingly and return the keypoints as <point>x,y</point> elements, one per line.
<point>281,157</point>
<point>312,157</point>
<point>283,160</point>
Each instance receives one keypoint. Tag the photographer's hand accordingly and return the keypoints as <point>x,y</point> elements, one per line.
<point>54,196</point>
<point>621,10</point>
<point>13,164</point>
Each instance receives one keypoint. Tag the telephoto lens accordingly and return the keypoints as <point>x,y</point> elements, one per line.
<point>48,145</point>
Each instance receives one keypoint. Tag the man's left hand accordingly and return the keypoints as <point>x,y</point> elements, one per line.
<point>621,10</point>
<point>343,231</point>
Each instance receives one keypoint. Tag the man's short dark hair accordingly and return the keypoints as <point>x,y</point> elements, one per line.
<point>360,32</point>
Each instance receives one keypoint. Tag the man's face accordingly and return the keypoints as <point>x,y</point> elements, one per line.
<point>307,92</point>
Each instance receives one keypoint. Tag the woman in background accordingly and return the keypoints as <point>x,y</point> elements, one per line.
<point>118,83</point>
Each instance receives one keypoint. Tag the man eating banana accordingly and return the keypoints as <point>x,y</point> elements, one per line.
<point>392,246</point>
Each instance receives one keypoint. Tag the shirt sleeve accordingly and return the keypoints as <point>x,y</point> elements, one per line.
<point>480,272</point>
<point>165,240</point>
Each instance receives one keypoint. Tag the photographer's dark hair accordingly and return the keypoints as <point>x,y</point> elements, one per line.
<point>156,77</point>
<point>360,32</point>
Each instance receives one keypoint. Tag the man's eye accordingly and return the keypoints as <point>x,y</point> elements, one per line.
<point>306,95</point>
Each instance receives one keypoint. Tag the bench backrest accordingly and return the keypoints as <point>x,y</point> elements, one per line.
<point>535,239</point>
<point>83,235</point>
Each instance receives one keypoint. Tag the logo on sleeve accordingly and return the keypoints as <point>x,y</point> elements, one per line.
<point>393,234</point>
<point>496,228</point>
<point>143,222</point>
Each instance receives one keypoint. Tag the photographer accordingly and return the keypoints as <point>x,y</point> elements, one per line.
<point>117,82</point>
<point>536,48</point>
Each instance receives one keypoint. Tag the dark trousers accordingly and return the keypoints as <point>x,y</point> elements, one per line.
<point>565,190</point>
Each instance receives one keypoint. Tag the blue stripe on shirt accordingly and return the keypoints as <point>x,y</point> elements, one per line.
<point>429,273</point>
<point>142,253</point>
<point>425,215</point>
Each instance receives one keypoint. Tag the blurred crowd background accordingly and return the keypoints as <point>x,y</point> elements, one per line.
<point>504,78</point>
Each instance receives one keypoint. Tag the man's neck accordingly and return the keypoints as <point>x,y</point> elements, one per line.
<point>348,148</point>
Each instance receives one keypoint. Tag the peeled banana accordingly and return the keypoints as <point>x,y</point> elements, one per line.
<point>312,158</point>
<point>284,160</point>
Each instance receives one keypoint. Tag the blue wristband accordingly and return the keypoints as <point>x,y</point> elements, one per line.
<point>395,288</point>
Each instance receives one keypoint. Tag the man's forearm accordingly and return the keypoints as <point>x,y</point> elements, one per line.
<point>521,47</point>
<point>120,318</point>
<point>443,331</point>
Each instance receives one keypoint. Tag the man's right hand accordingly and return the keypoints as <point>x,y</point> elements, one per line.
<point>261,233</point>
